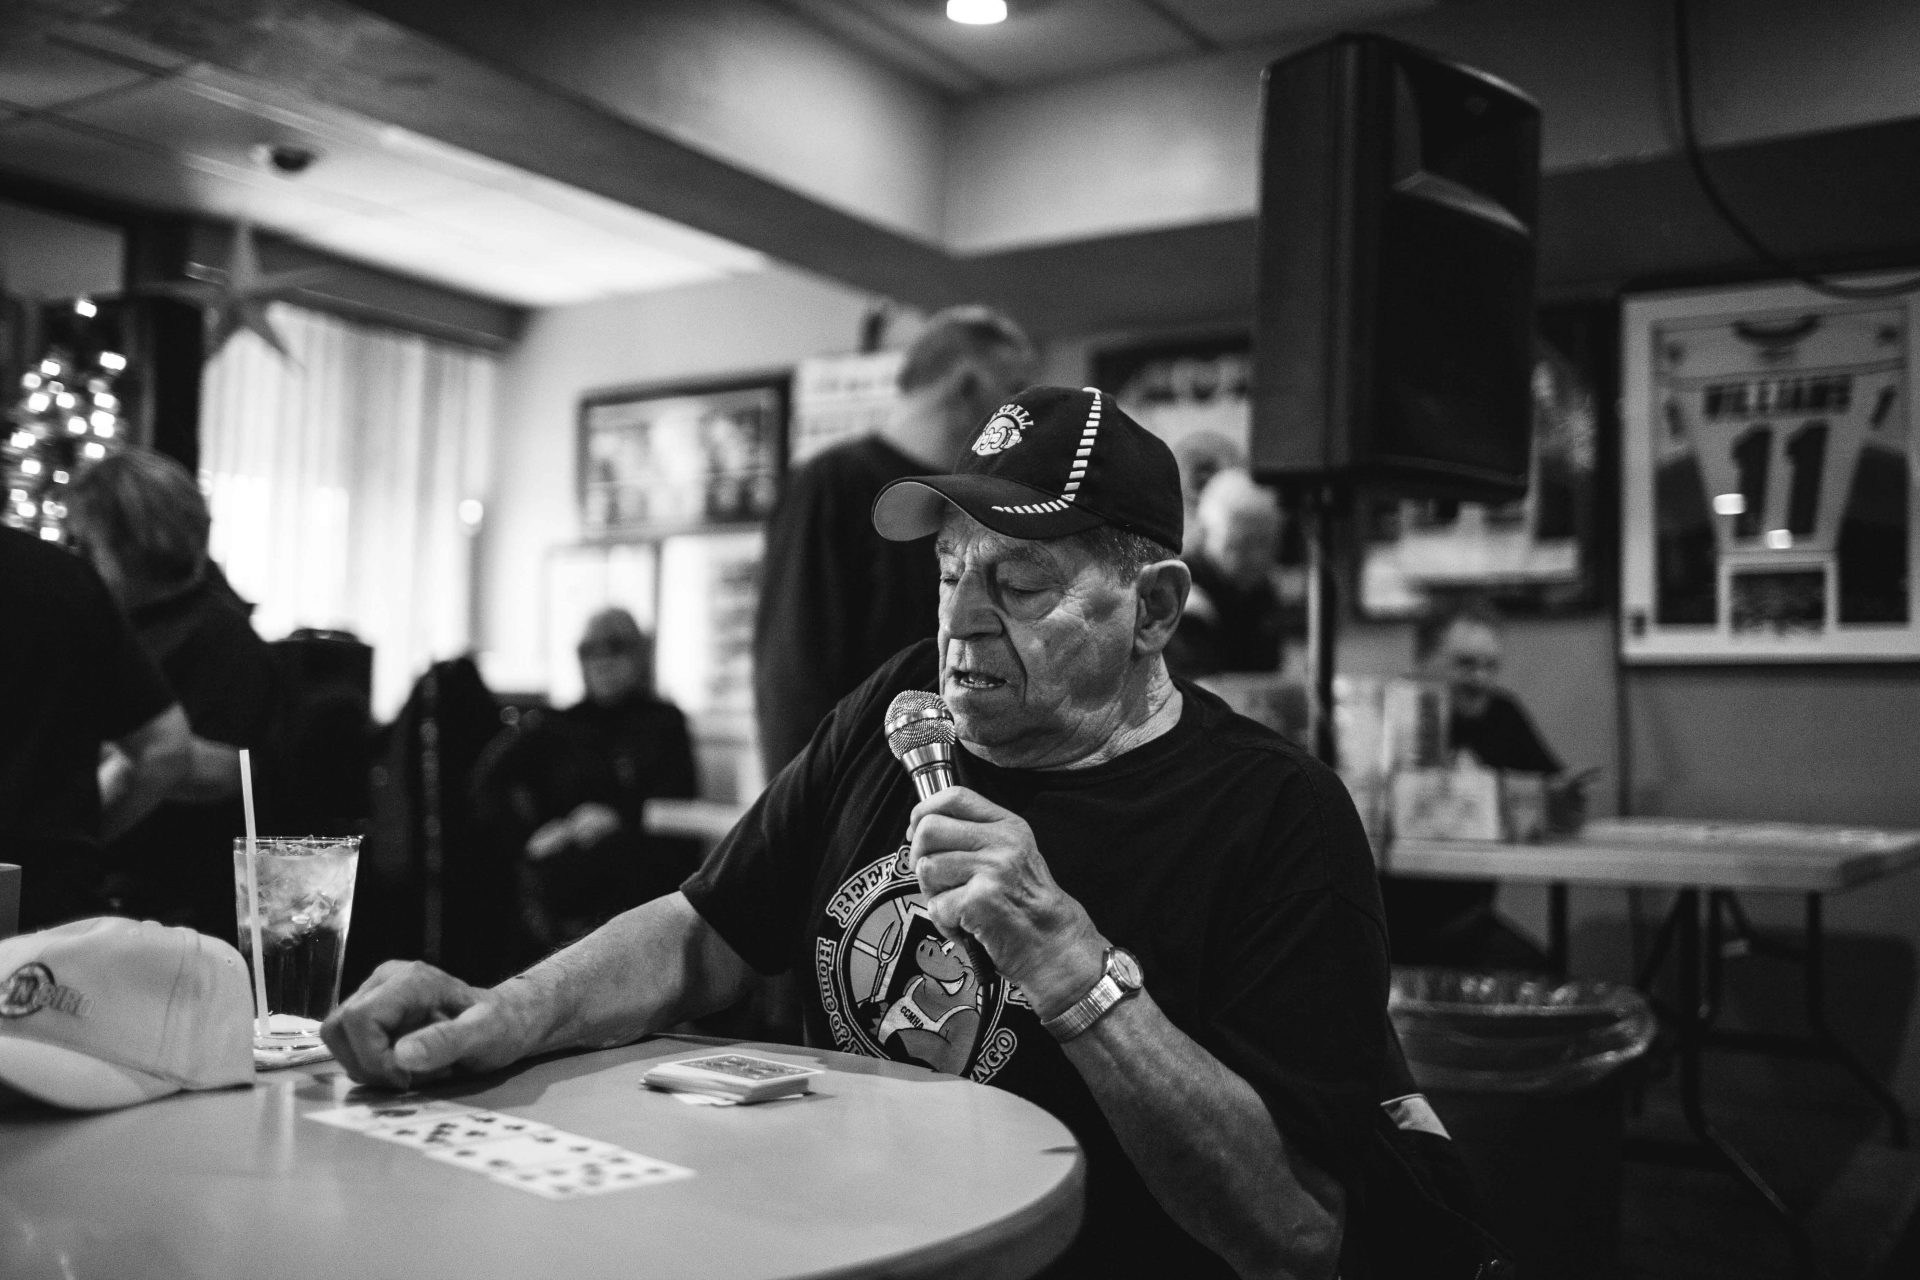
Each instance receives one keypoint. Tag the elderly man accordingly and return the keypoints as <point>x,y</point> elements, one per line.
<point>1146,914</point>
<point>836,599</point>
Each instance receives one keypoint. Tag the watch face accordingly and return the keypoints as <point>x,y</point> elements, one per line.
<point>1125,969</point>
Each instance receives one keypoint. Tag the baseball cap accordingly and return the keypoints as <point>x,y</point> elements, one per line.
<point>1050,462</point>
<point>108,1012</point>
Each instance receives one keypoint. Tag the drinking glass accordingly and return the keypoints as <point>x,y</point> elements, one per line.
<point>306,900</point>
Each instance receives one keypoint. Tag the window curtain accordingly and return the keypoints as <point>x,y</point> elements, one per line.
<point>337,478</point>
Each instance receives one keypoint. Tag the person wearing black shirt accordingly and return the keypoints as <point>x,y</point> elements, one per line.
<point>1238,616</point>
<point>1452,923</point>
<point>1151,916</point>
<point>837,599</point>
<point>141,520</point>
<point>571,790</point>
<point>76,678</point>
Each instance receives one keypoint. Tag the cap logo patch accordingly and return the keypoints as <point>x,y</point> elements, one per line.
<point>32,988</point>
<point>1003,430</point>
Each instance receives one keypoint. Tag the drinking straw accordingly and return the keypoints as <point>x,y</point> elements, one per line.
<point>253,902</point>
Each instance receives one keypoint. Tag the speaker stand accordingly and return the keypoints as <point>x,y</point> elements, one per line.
<point>1320,505</point>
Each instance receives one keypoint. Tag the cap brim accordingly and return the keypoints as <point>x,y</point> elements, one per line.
<point>73,1080</point>
<point>917,505</point>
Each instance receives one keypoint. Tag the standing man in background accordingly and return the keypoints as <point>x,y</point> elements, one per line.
<point>837,599</point>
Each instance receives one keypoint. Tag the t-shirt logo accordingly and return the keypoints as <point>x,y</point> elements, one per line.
<point>1003,431</point>
<point>893,987</point>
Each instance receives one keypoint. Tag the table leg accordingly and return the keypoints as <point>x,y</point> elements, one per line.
<point>1692,1028</point>
<point>1816,979</point>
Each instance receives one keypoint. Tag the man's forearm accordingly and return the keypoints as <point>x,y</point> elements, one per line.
<point>134,783</point>
<point>213,772</point>
<point>1207,1147</point>
<point>647,968</point>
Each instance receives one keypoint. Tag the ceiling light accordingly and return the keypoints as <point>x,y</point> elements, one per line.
<point>977,13</point>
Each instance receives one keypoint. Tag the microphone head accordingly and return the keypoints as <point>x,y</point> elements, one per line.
<point>918,719</point>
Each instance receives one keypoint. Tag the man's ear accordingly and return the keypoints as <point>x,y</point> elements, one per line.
<point>1162,588</point>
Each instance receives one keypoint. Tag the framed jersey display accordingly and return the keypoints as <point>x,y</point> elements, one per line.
<point>1769,511</point>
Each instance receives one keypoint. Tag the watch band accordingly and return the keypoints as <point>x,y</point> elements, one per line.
<point>1091,1007</point>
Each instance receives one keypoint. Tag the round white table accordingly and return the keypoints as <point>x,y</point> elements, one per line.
<point>885,1169</point>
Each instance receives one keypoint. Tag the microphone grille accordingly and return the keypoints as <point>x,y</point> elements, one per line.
<point>918,719</point>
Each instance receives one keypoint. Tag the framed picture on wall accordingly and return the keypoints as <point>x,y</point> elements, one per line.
<point>656,460</point>
<point>1769,511</point>
<point>1192,393</point>
<point>1540,553</point>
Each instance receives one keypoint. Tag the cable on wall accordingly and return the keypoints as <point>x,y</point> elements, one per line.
<point>1690,145</point>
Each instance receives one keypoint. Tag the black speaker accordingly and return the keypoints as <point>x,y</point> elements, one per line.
<point>1393,325</point>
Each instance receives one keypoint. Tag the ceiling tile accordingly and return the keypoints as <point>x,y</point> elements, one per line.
<point>1060,39</point>
<point>1231,22</point>
<point>89,161</point>
<point>42,74</point>
<point>208,123</point>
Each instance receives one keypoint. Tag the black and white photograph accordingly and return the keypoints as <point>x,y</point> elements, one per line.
<point>959,639</point>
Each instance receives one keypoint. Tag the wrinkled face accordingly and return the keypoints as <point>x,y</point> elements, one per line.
<point>1468,659</point>
<point>1036,643</point>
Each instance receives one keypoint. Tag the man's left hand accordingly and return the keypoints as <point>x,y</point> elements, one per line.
<point>983,875</point>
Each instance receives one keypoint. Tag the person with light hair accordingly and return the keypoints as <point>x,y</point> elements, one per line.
<point>1241,611</point>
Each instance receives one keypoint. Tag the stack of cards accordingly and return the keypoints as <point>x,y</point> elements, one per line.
<point>740,1077</point>
<point>508,1149</point>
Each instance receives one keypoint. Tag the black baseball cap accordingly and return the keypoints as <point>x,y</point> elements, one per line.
<point>1050,462</point>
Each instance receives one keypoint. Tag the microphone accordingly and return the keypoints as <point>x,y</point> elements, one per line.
<point>921,735</point>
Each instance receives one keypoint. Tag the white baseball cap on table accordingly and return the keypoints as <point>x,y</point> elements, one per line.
<point>108,1012</point>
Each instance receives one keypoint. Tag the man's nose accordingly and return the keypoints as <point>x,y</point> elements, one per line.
<point>966,608</point>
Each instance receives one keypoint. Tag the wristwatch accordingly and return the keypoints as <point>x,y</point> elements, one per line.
<point>1121,979</point>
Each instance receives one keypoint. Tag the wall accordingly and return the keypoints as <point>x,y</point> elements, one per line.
<point>750,324</point>
<point>1178,142</point>
<point>749,83</point>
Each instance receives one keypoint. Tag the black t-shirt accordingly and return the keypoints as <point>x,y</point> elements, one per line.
<point>1231,863</point>
<point>1419,911</point>
<point>1243,631</point>
<point>76,677</point>
<point>836,598</point>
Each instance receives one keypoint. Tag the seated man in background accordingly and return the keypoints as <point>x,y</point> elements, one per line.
<point>1147,914</point>
<point>140,519</point>
<point>77,678</point>
<point>1238,616</point>
<point>1452,923</point>
<point>571,788</point>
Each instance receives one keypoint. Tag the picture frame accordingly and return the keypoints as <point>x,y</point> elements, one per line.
<point>1541,555</point>
<point>662,459</point>
<point>1193,392</point>
<point>1769,512</point>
